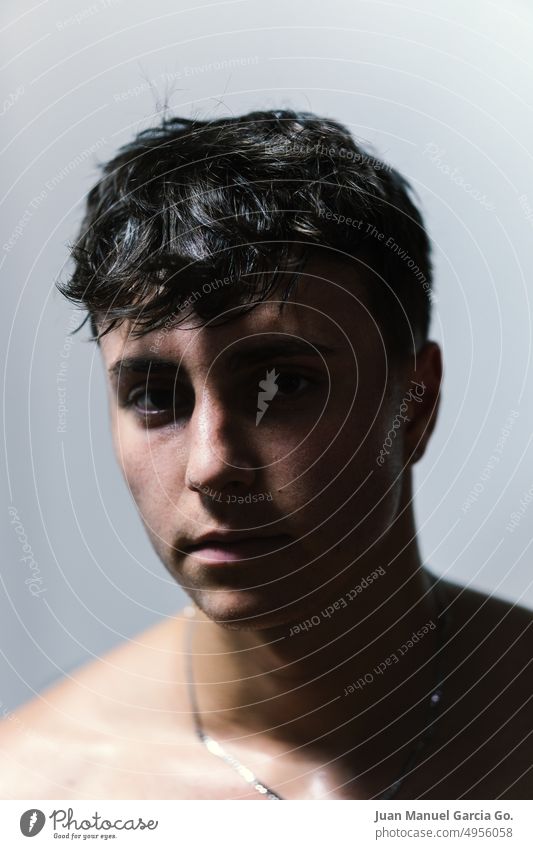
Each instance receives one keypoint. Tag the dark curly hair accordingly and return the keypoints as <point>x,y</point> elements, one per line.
<point>245,199</point>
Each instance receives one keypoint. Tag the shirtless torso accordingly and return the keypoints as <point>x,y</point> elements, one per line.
<point>120,727</point>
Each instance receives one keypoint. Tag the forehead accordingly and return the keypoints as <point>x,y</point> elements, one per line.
<point>329,305</point>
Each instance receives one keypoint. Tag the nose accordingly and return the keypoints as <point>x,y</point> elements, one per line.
<point>219,455</point>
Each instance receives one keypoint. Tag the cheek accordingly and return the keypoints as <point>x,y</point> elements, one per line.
<point>337,477</point>
<point>151,468</point>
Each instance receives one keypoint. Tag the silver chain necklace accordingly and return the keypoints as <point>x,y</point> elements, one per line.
<point>432,710</point>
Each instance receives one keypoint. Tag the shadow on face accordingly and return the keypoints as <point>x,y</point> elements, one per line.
<point>269,426</point>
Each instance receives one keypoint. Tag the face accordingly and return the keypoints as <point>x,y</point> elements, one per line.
<point>251,447</point>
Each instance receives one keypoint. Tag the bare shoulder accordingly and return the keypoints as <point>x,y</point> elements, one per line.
<point>485,618</point>
<point>100,731</point>
<point>491,650</point>
<point>490,690</point>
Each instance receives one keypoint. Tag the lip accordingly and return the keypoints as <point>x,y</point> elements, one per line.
<point>224,549</point>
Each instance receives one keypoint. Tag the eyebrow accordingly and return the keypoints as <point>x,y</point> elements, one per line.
<point>247,354</point>
<point>141,364</point>
<point>261,351</point>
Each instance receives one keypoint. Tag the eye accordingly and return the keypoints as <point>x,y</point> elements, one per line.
<point>291,383</point>
<point>151,400</point>
<point>157,402</point>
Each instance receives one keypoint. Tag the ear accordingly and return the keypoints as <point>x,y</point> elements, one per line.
<point>423,394</point>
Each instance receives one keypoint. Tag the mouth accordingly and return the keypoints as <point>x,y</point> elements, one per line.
<point>224,551</point>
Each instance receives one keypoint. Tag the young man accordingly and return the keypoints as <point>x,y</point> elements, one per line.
<point>260,290</point>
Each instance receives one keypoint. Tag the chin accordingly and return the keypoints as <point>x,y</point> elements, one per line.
<point>254,597</point>
<point>247,610</point>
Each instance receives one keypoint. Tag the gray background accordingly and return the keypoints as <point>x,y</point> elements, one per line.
<point>450,79</point>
